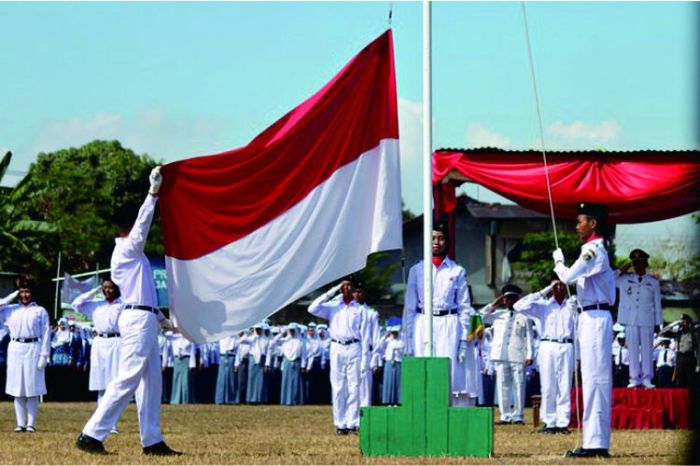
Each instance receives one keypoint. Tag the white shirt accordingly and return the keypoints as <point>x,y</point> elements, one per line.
<point>666,357</point>
<point>512,335</point>
<point>640,300</point>
<point>258,346</point>
<point>104,314</point>
<point>292,348</point>
<point>393,349</point>
<point>595,282</point>
<point>227,345</point>
<point>621,356</point>
<point>182,347</point>
<point>30,321</point>
<point>554,321</point>
<point>313,350</point>
<point>450,292</point>
<point>131,270</point>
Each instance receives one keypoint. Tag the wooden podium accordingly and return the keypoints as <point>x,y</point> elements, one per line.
<point>425,424</point>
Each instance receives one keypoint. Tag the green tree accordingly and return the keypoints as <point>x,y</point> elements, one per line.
<point>81,191</point>
<point>376,277</point>
<point>535,263</point>
<point>20,233</point>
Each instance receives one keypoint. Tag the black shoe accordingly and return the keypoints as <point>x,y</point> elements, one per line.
<point>518,423</point>
<point>354,430</point>
<point>587,453</point>
<point>20,429</point>
<point>90,445</point>
<point>563,430</point>
<point>160,449</point>
<point>503,423</point>
<point>548,430</point>
<point>340,431</point>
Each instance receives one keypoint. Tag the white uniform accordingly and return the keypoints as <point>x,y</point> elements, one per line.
<point>510,347</point>
<point>595,287</point>
<point>104,355</point>
<point>639,311</point>
<point>451,309</point>
<point>555,356</point>
<point>349,355</point>
<point>24,378</point>
<point>372,323</point>
<point>139,361</point>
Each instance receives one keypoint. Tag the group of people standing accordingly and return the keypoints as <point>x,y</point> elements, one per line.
<point>133,343</point>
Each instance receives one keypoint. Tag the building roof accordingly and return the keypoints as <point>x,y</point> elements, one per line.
<point>502,211</point>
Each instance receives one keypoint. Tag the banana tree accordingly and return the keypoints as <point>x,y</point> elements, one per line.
<point>16,232</point>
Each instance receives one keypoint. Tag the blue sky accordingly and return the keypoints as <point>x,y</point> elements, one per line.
<point>182,79</point>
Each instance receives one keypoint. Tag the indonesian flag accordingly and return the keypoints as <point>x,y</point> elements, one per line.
<point>251,230</point>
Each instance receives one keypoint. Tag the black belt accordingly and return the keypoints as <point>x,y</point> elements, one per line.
<point>108,335</point>
<point>229,353</point>
<point>141,307</point>
<point>348,342</point>
<point>25,340</point>
<point>596,307</point>
<point>563,340</point>
<point>439,312</point>
<point>181,357</point>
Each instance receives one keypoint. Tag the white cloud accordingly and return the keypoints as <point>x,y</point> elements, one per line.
<point>480,136</point>
<point>156,132</point>
<point>582,135</point>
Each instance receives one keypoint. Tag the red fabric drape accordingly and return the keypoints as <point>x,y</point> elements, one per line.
<point>636,186</point>
<point>659,408</point>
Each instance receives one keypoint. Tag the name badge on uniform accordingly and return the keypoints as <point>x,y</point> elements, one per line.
<point>629,290</point>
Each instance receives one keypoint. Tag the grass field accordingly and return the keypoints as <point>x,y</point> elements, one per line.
<point>210,434</point>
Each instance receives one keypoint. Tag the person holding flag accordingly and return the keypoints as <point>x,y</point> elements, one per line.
<point>139,360</point>
<point>595,291</point>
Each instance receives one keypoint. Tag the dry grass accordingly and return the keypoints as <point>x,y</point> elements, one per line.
<point>287,435</point>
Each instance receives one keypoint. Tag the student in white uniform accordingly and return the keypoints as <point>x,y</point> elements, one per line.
<point>451,311</point>
<point>595,292</point>
<point>104,352</point>
<point>665,364</point>
<point>27,354</point>
<point>555,317</point>
<point>511,352</point>
<point>640,313</point>
<point>139,359</point>
<point>372,330</point>
<point>349,352</point>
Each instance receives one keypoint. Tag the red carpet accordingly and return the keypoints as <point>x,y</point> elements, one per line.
<point>638,408</point>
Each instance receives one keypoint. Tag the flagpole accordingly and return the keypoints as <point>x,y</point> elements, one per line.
<point>58,275</point>
<point>427,180</point>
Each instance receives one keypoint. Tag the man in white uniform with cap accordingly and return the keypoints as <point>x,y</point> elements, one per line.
<point>27,353</point>
<point>595,291</point>
<point>139,359</point>
<point>349,352</point>
<point>639,312</point>
<point>555,317</point>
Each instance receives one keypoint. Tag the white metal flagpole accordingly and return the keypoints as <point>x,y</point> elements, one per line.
<point>427,180</point>
<point>58,275</point>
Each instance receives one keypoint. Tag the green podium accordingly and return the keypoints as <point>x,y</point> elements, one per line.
<point>425,424</point>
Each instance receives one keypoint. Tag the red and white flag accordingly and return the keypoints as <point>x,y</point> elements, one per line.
<point>251,230</point>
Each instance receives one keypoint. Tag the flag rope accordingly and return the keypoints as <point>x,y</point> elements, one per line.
<point>551,208</point>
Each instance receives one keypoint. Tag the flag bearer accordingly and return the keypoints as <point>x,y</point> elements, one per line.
<point>595,292</point>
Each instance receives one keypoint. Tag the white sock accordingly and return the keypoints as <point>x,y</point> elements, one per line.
<point>21,410</point>
<point>32,409</point>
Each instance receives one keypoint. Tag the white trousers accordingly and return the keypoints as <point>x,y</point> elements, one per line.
<point>446,337</point>
<point>556,361</point>
<point>104,362</point>
<point>640,344</point>
<point>510,384</point>
<point>345,385</point>
<point>366,388</point>
<point>595,339</point>
<point>139,374</point>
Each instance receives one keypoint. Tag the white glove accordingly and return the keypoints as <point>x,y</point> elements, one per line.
<point>9,298</point>
<point>166,325</point>
<point>545,291</point>
<point>558,256</point>
<point>155,178</point>
<point>41,364</point>
<point>462,351</point>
